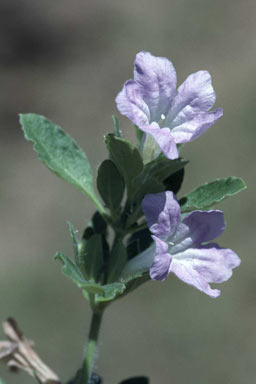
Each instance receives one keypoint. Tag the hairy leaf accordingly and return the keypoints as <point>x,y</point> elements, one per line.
<point>59,152</point>
<point>111,292</point>
<point>75,241</point>
<point>212,193</point>
<point>104,293</point>
<point>73,272</point>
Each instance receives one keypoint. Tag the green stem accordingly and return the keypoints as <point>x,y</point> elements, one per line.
<point>98,204</point>
<point>91,346</point>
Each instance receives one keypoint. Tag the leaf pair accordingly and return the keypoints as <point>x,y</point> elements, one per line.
<point>103,293</point>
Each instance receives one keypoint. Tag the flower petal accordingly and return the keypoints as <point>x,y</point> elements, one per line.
<point>188,117</point>
<point>131,104</point>
<point>205,225</point>
<point>164,139</point>
<point>196,228</point>
<point>157,80</point>
<point>194,125</point>
<point>195,92</point>
<point>207,264</point>
<point>162,213</point>
<point>159,270</point>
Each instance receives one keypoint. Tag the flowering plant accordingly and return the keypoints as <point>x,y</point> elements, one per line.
<point>141,230</point>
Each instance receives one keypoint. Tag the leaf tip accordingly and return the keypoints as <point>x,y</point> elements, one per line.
<point>58,256</point>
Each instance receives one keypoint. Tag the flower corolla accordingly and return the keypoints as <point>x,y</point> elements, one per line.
<point>182,246</point>
<point>171,117</point>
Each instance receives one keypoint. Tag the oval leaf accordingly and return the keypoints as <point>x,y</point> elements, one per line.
<point>126,157</point>
<point>209,194</point>
<point>60,153</point>
<point>110,184</point>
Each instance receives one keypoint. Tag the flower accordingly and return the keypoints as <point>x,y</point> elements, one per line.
<point>171,117</point>
<point>182,247</point>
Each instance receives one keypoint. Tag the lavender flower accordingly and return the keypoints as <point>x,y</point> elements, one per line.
<point>171,117</point>
<point>180,246</point>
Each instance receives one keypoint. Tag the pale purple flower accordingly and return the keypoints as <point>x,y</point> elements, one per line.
<point>181,246</point>
<point>172,117</point>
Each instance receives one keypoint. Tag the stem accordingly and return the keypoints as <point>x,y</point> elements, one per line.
<point>97,203</point>
<point>91,346</point>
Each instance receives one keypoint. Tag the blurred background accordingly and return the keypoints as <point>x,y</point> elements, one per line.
<point>67,61</point>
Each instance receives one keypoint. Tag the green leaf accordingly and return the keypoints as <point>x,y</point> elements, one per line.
<point>104,293</point>
<point>139,136</point>
<point>117,130</point>
<point>150,149</point>
<point>111,292</point>
<point>98,223</point>
<point>117,261</point>
<point>93,258</point>
<point>174,182</point>
<point>60,153</point>
<point>153,175</point>
<point>135,281</point>
<point>212,193</point>
<point>75,241</point>
<point>162,168</point>
<point>110,184</point>
<point>73,272</point>
<point>157,176</point>
<point>140,188</point>
<point>1,381</point>
<point>126,157</point>
<point>143,186</point>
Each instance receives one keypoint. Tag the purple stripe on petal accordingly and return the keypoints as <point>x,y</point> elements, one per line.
<point>157,80</point>
<point>204,265</point>
<point>196,93</point>
<point>131,104</point>
<point>162,213</point>
<point>195,126</point>
<point>164,139</point>
<point>186,273</point>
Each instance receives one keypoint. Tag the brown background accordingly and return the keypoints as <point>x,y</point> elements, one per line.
<point>67,60</point>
